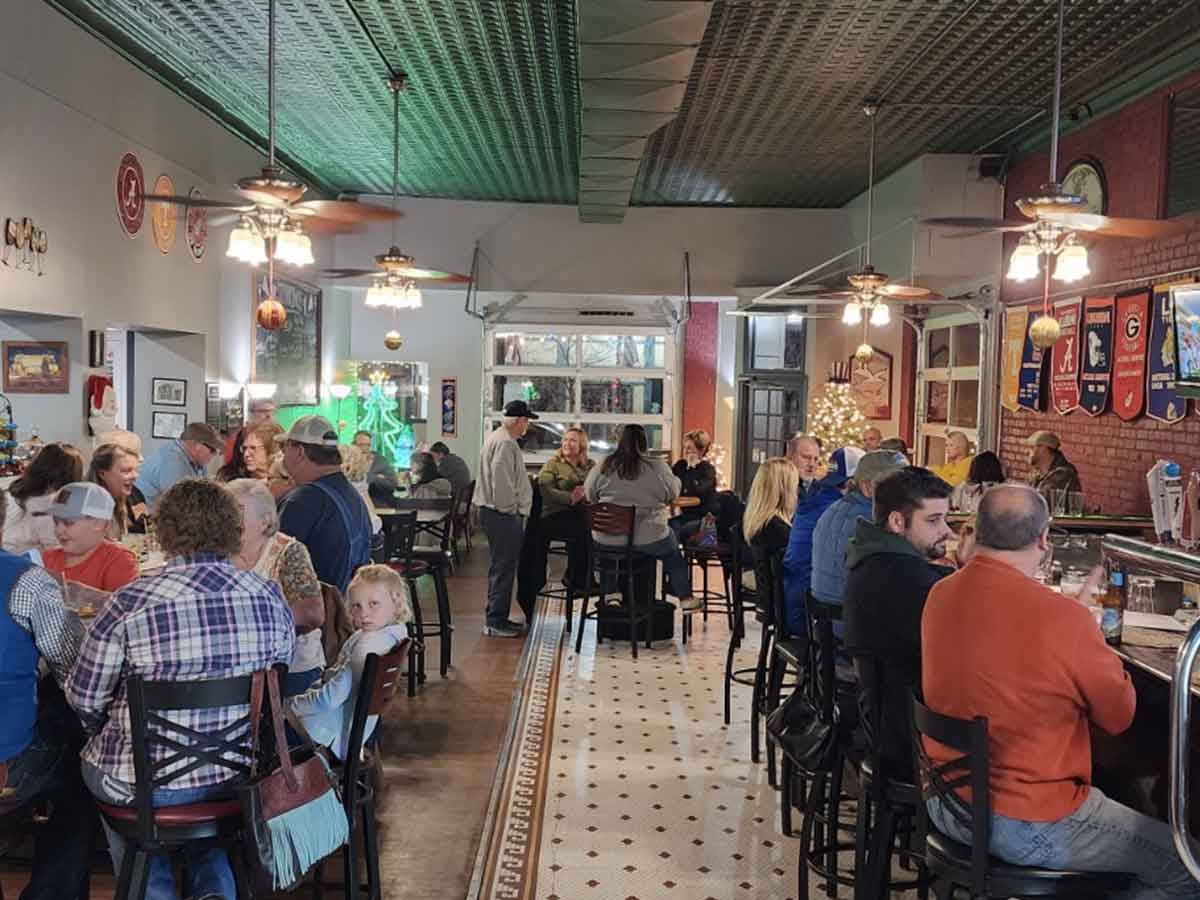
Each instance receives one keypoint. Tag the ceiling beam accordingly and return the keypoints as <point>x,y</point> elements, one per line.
<point>635,57</point>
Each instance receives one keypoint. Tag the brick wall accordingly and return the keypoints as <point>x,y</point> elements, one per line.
<point>1112,455</point>
<point>700,338</point>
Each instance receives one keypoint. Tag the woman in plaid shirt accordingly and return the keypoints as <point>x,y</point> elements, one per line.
<point>200,618</point>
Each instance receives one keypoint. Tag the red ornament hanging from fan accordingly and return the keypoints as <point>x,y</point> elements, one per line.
<point>271,315</point>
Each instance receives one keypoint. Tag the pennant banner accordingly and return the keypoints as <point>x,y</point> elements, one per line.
<point>1130,337</point>
<point>1162,402</point>
<point>1033,359</point>
<point>1016,322</point>
<point>1064,357</point>
<point>1096,371</point>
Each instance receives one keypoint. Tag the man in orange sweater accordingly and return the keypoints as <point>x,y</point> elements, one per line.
<point>996,643</point>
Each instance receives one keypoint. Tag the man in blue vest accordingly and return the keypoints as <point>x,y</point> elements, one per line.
<point>40,737</point>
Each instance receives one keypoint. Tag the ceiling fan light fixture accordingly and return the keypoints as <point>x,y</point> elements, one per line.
<point>852,313</point>
<point>412,296</point>
<point>245,244</point>
<point>881,316</point>
<point>1072,263</point>
<point>1024,263</point>
<point>379,294</point>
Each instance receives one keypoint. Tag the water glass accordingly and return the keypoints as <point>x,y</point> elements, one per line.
<point>1058,502</point>
<point>1141,594</point>
<point>1075,503</point>
<point>1072,583</point>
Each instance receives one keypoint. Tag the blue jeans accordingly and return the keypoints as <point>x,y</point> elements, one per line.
<point>207,869</point>
<point>674,565</point>
<point>62,848</point>
<point>1101,836</point>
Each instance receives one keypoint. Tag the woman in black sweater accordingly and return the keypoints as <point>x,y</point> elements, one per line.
<point>767,522</point>
<point>698,478</point>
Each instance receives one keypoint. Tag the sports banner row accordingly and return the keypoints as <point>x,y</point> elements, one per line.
<point>1113,353</point>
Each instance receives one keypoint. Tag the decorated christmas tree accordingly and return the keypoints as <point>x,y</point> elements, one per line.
<point>835,418</point>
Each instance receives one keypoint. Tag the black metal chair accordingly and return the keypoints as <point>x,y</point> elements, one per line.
<point>462,518</point>
<point>439,561</point>
<point>887,805</point>
<point>149,830</point>
<point>954,865</point>
<point>785,654</point>
<point>742,600</point>
<point>401,530</point>
<point>380,677</point>
<point>618,565</point>
<point>821,834</point>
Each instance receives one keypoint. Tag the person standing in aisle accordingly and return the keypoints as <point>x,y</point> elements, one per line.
<point>504,496</point>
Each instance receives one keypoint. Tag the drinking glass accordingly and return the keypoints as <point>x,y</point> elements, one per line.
<point>1141,594</point>
<point>1072,583</point>
<point>1058,502</point>
<point>1075,503</point>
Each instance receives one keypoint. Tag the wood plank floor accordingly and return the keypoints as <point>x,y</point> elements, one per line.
<point>440,755</point>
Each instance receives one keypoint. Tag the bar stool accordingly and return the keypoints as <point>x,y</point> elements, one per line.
<point>401,531</point>
<point>821,833</point>
<point>742,599</point>
<point>887,806</point>
<point>954,865</point>
<point>439,562</point>
<point>784,654</point>
<point>619,563</point>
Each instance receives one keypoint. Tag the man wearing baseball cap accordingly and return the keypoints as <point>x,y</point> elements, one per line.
<point>837,524</point>
<point>504,496</point>
<point>82,512</point>
<point>186,457</point>
<point>1049,468</point>
<point>324,511</point>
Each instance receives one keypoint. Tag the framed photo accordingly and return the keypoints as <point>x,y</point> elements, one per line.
<point>449,407</point>
<point>290,356</point>
<point>168,424</point>
<point>168,391</point>
<point>36,367</point>
<point>871,385</point>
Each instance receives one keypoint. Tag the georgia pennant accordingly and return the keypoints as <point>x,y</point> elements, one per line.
<point>1130,337</point>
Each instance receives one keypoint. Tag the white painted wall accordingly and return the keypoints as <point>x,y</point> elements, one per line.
<point>54,416</point>
<point>165,355</point>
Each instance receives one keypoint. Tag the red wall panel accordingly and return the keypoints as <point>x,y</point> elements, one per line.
<point>700,338</point>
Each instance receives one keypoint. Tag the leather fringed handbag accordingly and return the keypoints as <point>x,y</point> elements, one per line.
<point>294,817</point>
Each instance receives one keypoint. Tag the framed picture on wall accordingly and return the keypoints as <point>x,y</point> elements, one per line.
<point>288,357</point>
<point>168,391</point>
<point>871,385</point>
<point>36,367</point>
<point>167,424</point>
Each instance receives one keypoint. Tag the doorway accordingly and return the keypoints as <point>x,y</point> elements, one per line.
<point>771,410</point>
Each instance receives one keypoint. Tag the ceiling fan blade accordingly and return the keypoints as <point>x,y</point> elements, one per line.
<point>317,225</point>
<point>1111,226</point>
<point>345,211</point>
<point>433,275</point>
<point>907,292</point>
<point>797,290</point>
<point>979,224</point>
<point>201,202</point>
<point>349,273</point>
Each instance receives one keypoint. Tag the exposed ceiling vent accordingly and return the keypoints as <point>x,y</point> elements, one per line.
<point>628,313</point>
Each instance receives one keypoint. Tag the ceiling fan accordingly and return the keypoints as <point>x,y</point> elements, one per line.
<point>1052,219</point>
<point>394,278</point>
<point>866,299</point>
<point>271,218</point>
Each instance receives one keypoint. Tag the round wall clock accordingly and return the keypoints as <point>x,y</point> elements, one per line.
<point>197,228</point>
<point>162,216</point>
<point>1085,178</point>
<point>131,205</point>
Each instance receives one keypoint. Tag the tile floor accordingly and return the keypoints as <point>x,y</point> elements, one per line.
<point>650,795</point>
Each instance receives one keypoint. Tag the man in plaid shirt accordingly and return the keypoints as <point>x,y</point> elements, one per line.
<point>201,618</point>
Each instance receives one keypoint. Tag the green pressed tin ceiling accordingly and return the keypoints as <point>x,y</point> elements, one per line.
<point>770,114</point>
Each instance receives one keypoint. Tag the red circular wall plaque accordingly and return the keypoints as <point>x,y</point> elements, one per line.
<point>197,227</point>
<point>131,205</point>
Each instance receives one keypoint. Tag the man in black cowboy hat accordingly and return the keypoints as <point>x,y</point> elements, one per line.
<point>504,496</point>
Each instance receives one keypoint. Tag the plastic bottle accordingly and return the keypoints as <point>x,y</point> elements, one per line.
<point>1173,489</point>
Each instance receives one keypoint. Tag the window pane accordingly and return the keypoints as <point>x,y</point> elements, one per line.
<point>624,351</point>
<point>760,426</point>
<point>939,349</point>
<point>767,339</point>
<point>965,412</point>
<point>535,350</point>
<point>966,345</point>
<point>937,401</point>
<point>541,436</point>
<point>637,396</point>
<point>603,437</point>
<point>543,393</point>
